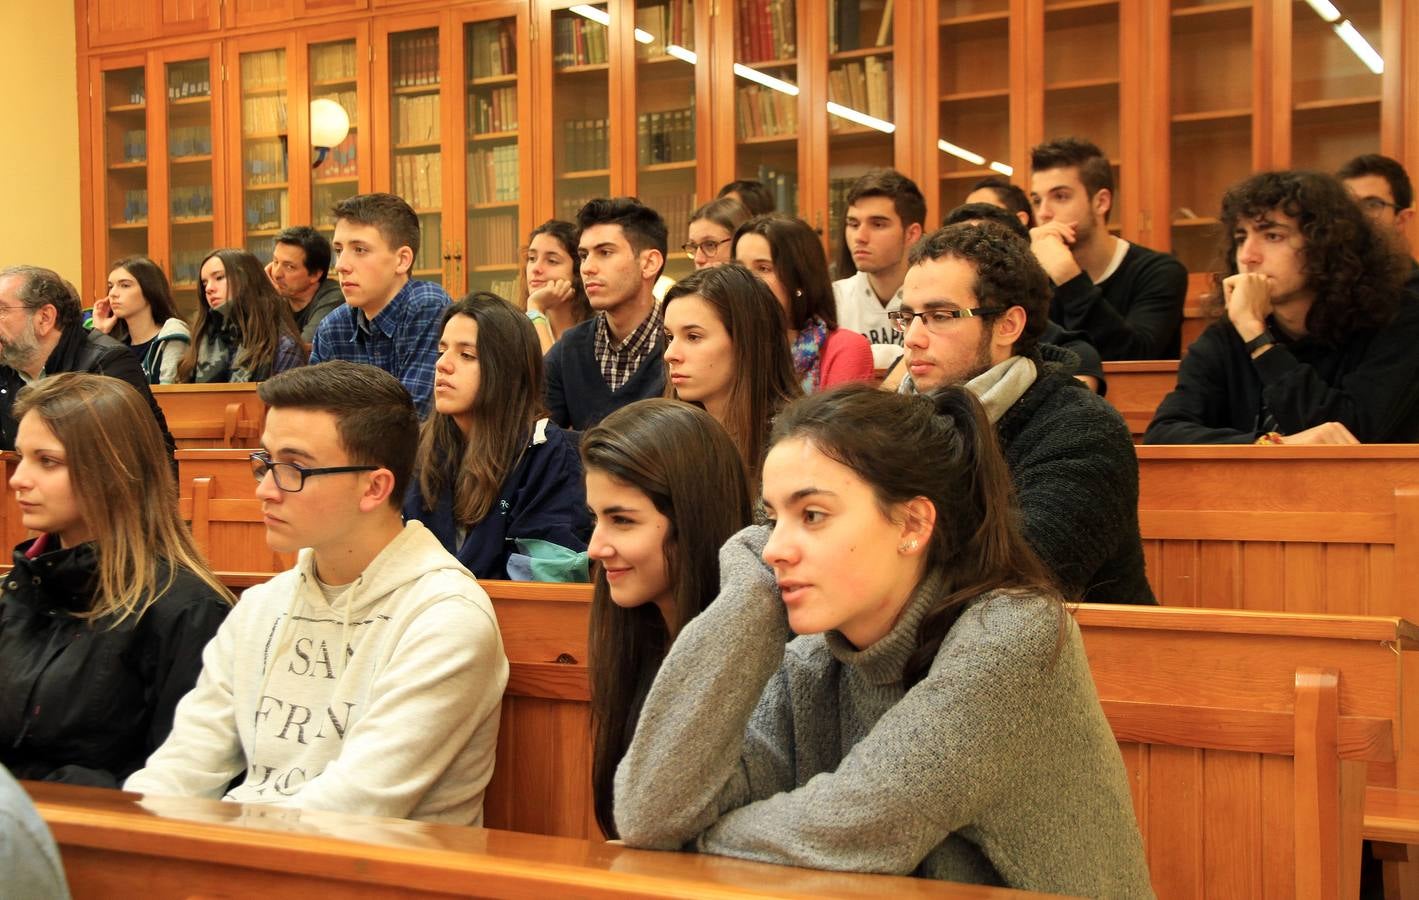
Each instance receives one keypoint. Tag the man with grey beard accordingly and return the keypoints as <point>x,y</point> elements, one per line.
<point>42,333</point>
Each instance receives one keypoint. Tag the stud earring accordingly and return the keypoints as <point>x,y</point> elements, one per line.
<point>907,546</point>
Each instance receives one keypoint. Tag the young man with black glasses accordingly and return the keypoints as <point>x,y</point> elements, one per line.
<point>369,678</point>
<point>1385,194</point>
<point>974,304</point>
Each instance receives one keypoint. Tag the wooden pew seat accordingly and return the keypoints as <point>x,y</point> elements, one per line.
<point>117,844</point>
<point>212,415</point>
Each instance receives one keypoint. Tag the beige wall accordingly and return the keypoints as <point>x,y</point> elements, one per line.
<point>39,152</point>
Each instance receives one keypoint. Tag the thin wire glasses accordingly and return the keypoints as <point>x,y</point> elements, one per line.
<point>938,321</point>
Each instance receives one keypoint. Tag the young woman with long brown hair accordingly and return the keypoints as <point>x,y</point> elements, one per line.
<point>104,617</point>
<point>492,469</point>
<point>666,487</point>
<point>244,330</point>
<point>139,311</point>
<point>935,717</point>
<point>725,350</point>
<point>550,287</point>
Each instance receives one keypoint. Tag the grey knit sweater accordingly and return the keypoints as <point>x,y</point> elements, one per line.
<point>998,767</point>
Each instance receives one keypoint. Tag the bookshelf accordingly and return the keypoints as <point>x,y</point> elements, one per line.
<point>666,69</point>
<point>125,157</point>
<point>1335,94</point>
<point>334,68</point>
<point>493,117</point>
<point>768,101</point>
<point>974,98</point>
<point>191,154</point>
<point>258,66</point>
<point>581,106</point>
<point>415,140</point>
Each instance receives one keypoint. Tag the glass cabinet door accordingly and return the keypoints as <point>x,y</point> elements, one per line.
<point>973,87</point>
<point>334,75</point>
<point>190,174</point>
<point>665,118</point>
<point>1211,120</point>
<point>861,118</point>
<point>766,97</point>
<point>1081,65</point>
<point>581,114</point>
<point>265,185</point>
<point>125,156</point>
<point>493,151</point>
<point>415,81</point>
<point>1336,76</point>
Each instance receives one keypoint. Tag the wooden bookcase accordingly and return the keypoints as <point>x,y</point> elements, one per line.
<point>494,115</point>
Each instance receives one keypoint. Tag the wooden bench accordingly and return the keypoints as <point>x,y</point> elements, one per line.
<point>217,496</point>
<point>117,844</point>
<point>1246,771</point>
<point>212,415</point>
<point>1137,387</point>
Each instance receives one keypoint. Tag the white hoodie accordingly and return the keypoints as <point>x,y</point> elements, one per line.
<point>402,723</point>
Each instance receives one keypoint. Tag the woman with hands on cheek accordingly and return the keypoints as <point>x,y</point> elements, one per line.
<point>555,300</point>
<point>935,716</point>
<point>1317,342</point>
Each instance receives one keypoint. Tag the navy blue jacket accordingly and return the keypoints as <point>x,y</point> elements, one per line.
<point>544,498</point>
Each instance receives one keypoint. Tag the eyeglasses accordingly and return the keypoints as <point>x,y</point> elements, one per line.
<point>937,321</point>
<point>1374,205</point>
<point>708,248</point>
<point>290,477</point>
<point>5,310</point>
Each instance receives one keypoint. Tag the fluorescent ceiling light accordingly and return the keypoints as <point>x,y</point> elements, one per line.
<point>1003,169</point>
<point>645,37</point>
<point>768,81</point>
<point>861,118</point>
<point>592,13</point>
<point>960,152</point>
<point>681,53</point>
<point>1325,9</point>
<point>1356,42</point>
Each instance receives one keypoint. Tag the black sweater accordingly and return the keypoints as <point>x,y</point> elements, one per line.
<point>1135,313</point>
<point>1076,478</point>
<point>577,393</point>
<point>1368,384</point>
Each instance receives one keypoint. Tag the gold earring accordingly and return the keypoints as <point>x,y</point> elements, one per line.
<point>907,546</point>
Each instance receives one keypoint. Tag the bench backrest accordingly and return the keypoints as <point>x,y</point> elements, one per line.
<point>212,415</point>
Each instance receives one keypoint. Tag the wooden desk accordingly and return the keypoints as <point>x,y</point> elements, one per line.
<point>1137,387</point>
<point>212,415</point>
<point>117,844</point>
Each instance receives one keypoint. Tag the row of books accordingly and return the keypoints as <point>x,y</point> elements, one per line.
<point>418,178</point>
<point>187,264</point>
<point>671,22</point>
<point>782,185</point>
<point>492,51</point>
<point>340,161</point>
<point>264,70</point>
<point>675,208</point>
<point>764,112</point>
<point>191,79</point>
<point>493,175</point>
<point>577,42</point>
<point>348,100</point>
<point>851,26</point>
<point>261,247</point>
<point>190,201</point>
<point>267,209</point>
<point>493,240</point>
<point>190,140</point>
<point>430,255</point>
<point>416,59</point>
<point>265,163</point>
<point>568,205</point>
<point>504,287</point>
<point>766,30</point>
<point>137,91</point>
<point>135,146</point>
<point>263,115</point>
<point>416,119</point>
<point>135,207</point>
<point>663,137</point>
<point>333,62</point>
<point>585,145</point>
<point>865,86</point>
<point>325,196</point>
<point>493,111</point>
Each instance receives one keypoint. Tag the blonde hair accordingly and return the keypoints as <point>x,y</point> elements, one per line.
<point>123,485</point>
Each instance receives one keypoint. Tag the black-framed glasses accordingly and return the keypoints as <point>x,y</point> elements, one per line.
<point>1374,205</point>
<point>707,247</point>
<point>290,477</point>
<point>937,321</point>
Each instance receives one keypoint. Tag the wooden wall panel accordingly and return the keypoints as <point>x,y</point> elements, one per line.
<point>118,21</point>
<point>259,12</point>
<point>177,17</point>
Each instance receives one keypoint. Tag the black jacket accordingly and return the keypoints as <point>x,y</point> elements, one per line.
<point>1135,313</point>
<point>81,351</point>
<point>87,703</point>
<point>1369,384</point>
<point>1076,479</point>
